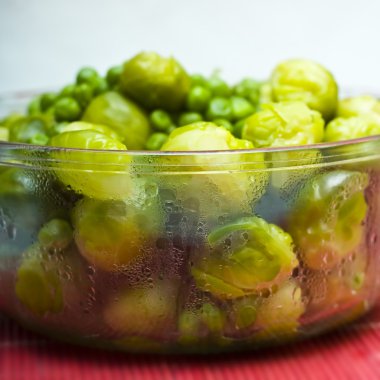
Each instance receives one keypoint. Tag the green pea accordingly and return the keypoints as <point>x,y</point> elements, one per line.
<point>248,88</point>
<point>218,86</point>
<point>34,107</point>
<point>100,87</point>
<point>241,107</point>
<point>189,118</point>
<point>83,94</point>
<point>155,141</point>
<point>55,234</point>
<point>47,101</point>
<point>67,91</point>
<point>67,109</point>
<point>39,139</point>
<point>238,128</point>
<point>87,75</point>
<point>171,129</point>
<point>225,124</point>
<point>219,108</point>
<point>161,120</point>
<point>198,80</point>
<point>113,75</point>
<point>198,98</point>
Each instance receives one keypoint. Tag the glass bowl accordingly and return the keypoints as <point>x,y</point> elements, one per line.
<point>189,252</point>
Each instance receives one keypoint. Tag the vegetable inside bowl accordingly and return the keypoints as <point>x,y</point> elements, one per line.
<point>155,211</point>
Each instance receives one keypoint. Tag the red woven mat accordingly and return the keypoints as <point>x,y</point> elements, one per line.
<point>351,353</point>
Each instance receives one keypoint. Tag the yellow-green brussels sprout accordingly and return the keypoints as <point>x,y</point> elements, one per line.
<point>122,115</point>
<point>284,124</point>
<point>265,94</point>
<point>247,256</point>
<point>242,180</point>
<point>278,315</point>
<point>155,81</point>
<point>207,322</point>
<point>83,126</point>
<point>144,312</point>
<point>37,287</point>
<point>354,127</point>
<point>327,218</point>
<point>358,105</point>
<point>307,82</point>
<point>112,234</point>
<point>102,176</point>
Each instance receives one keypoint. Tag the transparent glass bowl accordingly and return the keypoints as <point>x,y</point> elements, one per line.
<point>189,252</point>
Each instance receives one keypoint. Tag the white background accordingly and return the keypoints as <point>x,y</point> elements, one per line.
<point>44,42</point>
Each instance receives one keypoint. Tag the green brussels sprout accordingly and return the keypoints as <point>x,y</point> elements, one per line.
<point>83,126</point>
<point>265,94</point>
<point>247,256</point>
<point>24,129</point>
<point>237,188</point>
<point>51,281</point>
<point>358,105</point>
<point>308,82</point>
<point>284,124</point>
<point>205,323</point>
<point>145,311</point>
<point>278,315</point>
<point>155,82</point>
<point>122,115</point>
<point>38,287</point>
<point>56,234</point>
<point>4,134</point>
<point>112,234</point>
<point>354,127</point>
<point>327,218</point>
<point>85,171</point>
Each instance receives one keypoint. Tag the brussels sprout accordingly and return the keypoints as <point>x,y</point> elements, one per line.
<point>83,126</point>
<point>4,134</point>
<point>308,82</point>
<point>102,176</point>
<point>284,124</point>
<point>144,312</point>
<point>38,287</point>
<point>248,255</point>
<point>122,115</point>
<point>265,95</point>
<point>354,127</point>
<point>67,109</point>
<point>358,105</point>
<point>236,187</point>
<point>56,234</point>
<point>155,82</point>
<point>327,218</point>
<point>204,323</point>
<point>125,231</point>
<point>278,316</point>
<point>23,130</point>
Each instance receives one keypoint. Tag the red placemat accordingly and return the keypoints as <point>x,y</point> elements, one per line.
<point>350,353</point>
